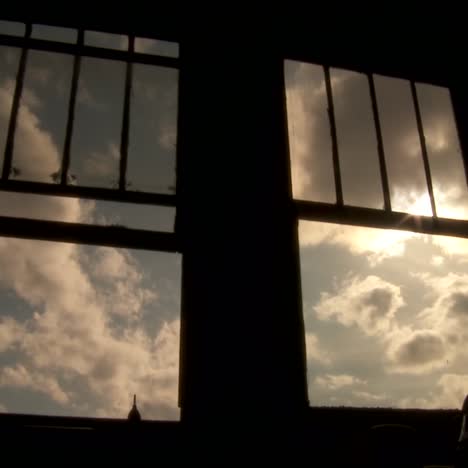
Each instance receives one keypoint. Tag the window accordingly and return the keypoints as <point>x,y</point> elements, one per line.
<point>385,315</point>
<point>91,270</point>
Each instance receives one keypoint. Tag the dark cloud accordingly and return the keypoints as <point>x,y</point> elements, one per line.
<point>422,348</point>
<point>379,302</point>
<point>459,305</point>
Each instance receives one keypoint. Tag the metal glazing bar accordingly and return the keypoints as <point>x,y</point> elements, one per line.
<point>71,113</point>
<point>380,146</point>
<point>92,193</point>
<point>422,140</point>
<point>15,109</point>
<point>126,119</point>
<point>89,51</point>
<point>334,138</point>
<point>110,236</point>
<point>374,218</point>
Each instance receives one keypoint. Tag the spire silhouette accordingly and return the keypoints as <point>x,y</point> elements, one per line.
<point>134,414</point>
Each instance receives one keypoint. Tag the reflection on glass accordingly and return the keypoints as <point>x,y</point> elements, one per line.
<point>153,130</point>
<point>12,28</point>
<point>445,160</point>
<point>75,210</point>
<point>84,328</point>
<point>9,59</point>
<point>95,152</point>
<point>106,40</point>
<point>408,187</point>
<point>357,143</point>
<point>309,133</point>
<point>385,317</point>
<point>144,45</point>
<point>54,33</point>
<point>42,117</point>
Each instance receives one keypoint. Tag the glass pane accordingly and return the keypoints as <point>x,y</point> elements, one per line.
<point>309,133</point>
<point>12,28</point>
<point>42,117</point>
<point>357,143</point>
<point>408,188</point>
<point>9,59</point>
<point>53,33</point>
<point>95,151</point>
<point>76,210</point>
<point>156,47</point>
<point>385,317</point>
<point>84,328</point>
<point>106,40</point>
<point>448,174</point>
<point>153,130</point>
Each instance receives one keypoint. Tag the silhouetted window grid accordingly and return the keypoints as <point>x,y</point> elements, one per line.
<point>386,218</point>
<point>63,182</point>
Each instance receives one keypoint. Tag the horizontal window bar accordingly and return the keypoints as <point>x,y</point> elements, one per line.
<point>89,51</point>
<point>338,60</point>
<point>109,236</point>
<point>96,193</point>
<point>369,217</point>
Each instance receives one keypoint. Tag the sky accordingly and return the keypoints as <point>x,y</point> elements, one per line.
<point>83,328</point>
<point>386,313</point>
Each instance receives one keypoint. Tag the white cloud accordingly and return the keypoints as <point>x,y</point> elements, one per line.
<point>437,260</point>
<point>73,335</point>
<point>103,164</point>
<point>35,152</point>
<point>376,244</point>
<point>78,336</point>
<point>369,303</point>
<point>453,390</point>
<point>121,278</point>
<point>449,391</point>
<point>11,333</point>
<point>314,351</point>
<point>368,397</point>
<point>336,382</point>
<point>21,377</point>
<point>167,136</point>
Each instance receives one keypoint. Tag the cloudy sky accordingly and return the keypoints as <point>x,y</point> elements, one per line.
<point>84,328</point>
<point>386,313</point>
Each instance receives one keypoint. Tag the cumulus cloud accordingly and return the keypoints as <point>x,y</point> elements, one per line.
<point>81,344</point>
<point>375,244</point>
<point>20,377</point>
<point>120,277</point>
<point>449,391</point>
<point>102,164</point>
<point>369,303</point>
<point>72,334</point>
<point>418,352</point>
<point>314,350</point>
<point>336,382</point>
<point>368,397</point>
<point>453,389</point>
<point>45,156</point>
<point>448,314</point>
<point>11,333</point>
